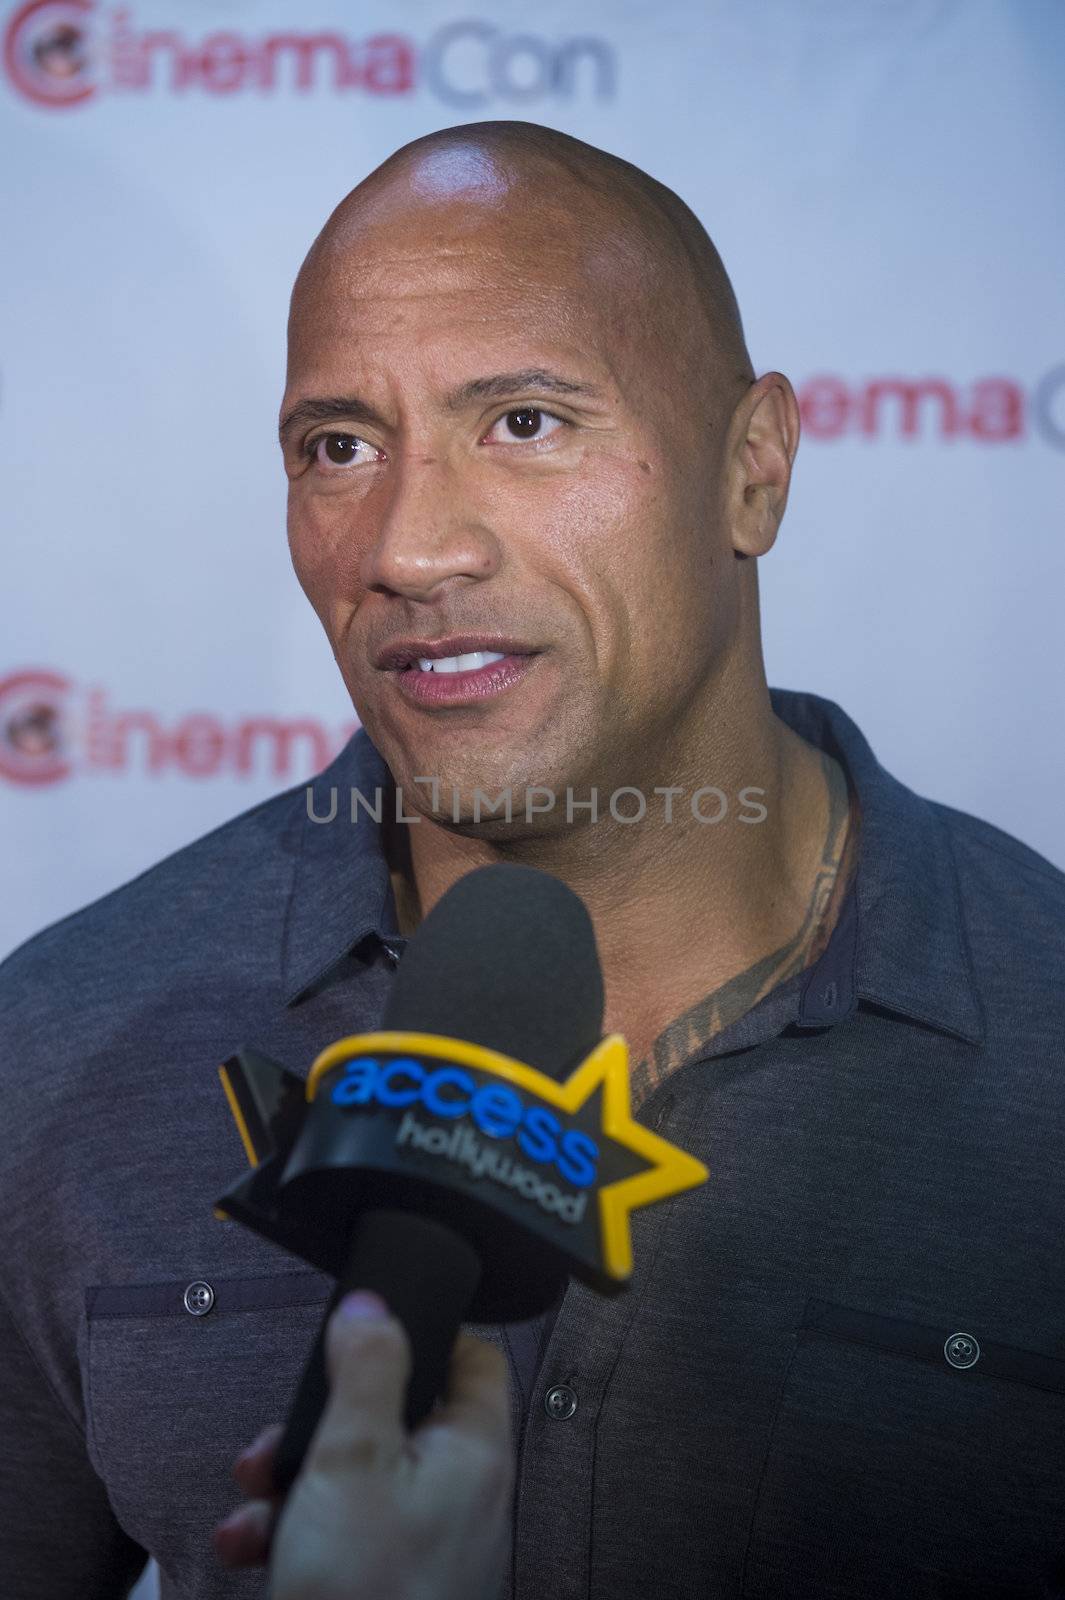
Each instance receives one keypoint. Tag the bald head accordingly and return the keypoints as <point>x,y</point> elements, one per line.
<point>520,418</point>
<point>625,229</point>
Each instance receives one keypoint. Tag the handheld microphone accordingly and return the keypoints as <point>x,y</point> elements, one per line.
<point>463,1161</point>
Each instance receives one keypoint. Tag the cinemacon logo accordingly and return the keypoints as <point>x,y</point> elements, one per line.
<point>990,411</point>
<point>60,53</point>
<point>51,730</point>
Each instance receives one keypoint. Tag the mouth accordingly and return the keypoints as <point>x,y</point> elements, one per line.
<point>455,653</point>
<point>461,669</point>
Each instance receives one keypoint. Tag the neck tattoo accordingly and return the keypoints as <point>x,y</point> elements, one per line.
<point>694,1028</point>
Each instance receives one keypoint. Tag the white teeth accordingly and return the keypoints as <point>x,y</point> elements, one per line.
<point>468,663</point>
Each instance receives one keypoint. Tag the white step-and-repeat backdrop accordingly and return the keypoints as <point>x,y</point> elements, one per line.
<point>886,183</point>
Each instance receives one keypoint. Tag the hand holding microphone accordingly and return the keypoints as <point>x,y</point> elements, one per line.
<point>375,1510</point>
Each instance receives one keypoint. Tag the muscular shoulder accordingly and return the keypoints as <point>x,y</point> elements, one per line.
<point>190,916</point>
<point>1013,898</point>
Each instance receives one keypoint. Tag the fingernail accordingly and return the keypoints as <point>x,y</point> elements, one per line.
<point>362,1306</point>
<point>246,1454</point>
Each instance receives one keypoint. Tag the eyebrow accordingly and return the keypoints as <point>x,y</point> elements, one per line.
<point>496,387</point>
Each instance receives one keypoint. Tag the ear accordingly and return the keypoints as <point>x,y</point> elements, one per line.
<point>764,440</point>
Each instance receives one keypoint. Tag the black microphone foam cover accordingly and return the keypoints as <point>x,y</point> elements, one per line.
<point>506,959</point>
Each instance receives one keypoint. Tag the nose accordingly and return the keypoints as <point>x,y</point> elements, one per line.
<point>428,534</point>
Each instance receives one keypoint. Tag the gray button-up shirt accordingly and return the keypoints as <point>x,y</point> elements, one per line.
<point>839,1369</point>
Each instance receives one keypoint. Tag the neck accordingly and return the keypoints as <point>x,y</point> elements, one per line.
<point>694,919</point>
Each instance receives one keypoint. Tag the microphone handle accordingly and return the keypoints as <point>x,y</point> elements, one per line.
<point>427,1275</point>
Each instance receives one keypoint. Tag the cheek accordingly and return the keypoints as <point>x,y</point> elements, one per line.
<point>593,527</point>
<point>324,556</point>
<point>627,540</point>
<point>655,568</point>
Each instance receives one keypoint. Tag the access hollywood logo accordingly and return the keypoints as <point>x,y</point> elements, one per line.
<point>61,53</point>
<point>52,729</point>
<point>565,1160</point>
<point>497,1111</point>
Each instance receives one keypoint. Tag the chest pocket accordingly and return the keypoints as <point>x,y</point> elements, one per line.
<point>179,1377</point>
<point>909,1460</point>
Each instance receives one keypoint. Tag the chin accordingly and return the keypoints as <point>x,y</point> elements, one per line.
<point>470,760</point>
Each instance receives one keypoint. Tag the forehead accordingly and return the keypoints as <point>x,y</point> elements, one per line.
<point>403,276</point>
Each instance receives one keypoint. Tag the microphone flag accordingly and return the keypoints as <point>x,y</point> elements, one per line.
<point>503,1152</point>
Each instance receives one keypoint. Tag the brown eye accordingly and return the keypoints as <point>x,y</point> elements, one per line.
<point>338,449</point>
<point>529,423</point>
<point>523,424</point>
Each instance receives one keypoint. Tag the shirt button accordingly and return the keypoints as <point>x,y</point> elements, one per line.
<point>560,1402</point>
<point>199,1298</point>
<point>961,1350</point>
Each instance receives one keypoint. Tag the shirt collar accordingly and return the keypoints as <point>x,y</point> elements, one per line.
<point>342,891</point>
<point>899,943</point>
<point>900,940</point>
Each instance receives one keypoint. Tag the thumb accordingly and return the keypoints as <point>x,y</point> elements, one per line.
<point>368,1360</point>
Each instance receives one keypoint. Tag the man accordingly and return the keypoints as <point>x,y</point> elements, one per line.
<point>521,425</point>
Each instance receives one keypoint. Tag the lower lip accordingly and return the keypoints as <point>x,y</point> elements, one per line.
<point>462,688</point>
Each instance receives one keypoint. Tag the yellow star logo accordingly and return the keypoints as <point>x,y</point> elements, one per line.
<point>669,1170</point>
